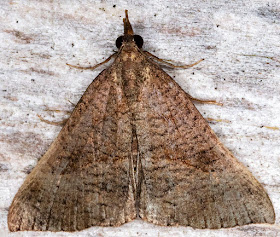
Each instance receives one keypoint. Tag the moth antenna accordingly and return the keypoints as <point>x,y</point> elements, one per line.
<point>127,26</point>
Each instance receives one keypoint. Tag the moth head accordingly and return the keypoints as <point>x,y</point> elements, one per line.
<point>128,34</point>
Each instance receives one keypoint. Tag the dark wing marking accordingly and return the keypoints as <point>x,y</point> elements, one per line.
<point>190,178</point>
<point>83,179</point>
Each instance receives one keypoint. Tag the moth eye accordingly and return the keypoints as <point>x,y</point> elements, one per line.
<point>138,40</point>
<point>119,42</point>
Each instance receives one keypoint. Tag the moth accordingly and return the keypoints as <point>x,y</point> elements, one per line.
<point>135,146</point>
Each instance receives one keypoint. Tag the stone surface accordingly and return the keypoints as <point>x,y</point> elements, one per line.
<point>240,44</point>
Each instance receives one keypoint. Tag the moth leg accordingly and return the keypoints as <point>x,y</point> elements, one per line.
<point>71,103</point>
<point>170,64</point>
<point>59,123</point>
<point>92,67</point>
<point>206,101</point>
<point>59,111</point>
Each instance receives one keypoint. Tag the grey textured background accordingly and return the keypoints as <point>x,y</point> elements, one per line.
<point>238,39</point>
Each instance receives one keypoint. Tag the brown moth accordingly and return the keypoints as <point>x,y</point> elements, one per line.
<point>136,146</point>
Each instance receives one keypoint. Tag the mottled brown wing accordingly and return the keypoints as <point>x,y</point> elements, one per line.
<point>189,177</point>
<point>83,179</point>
